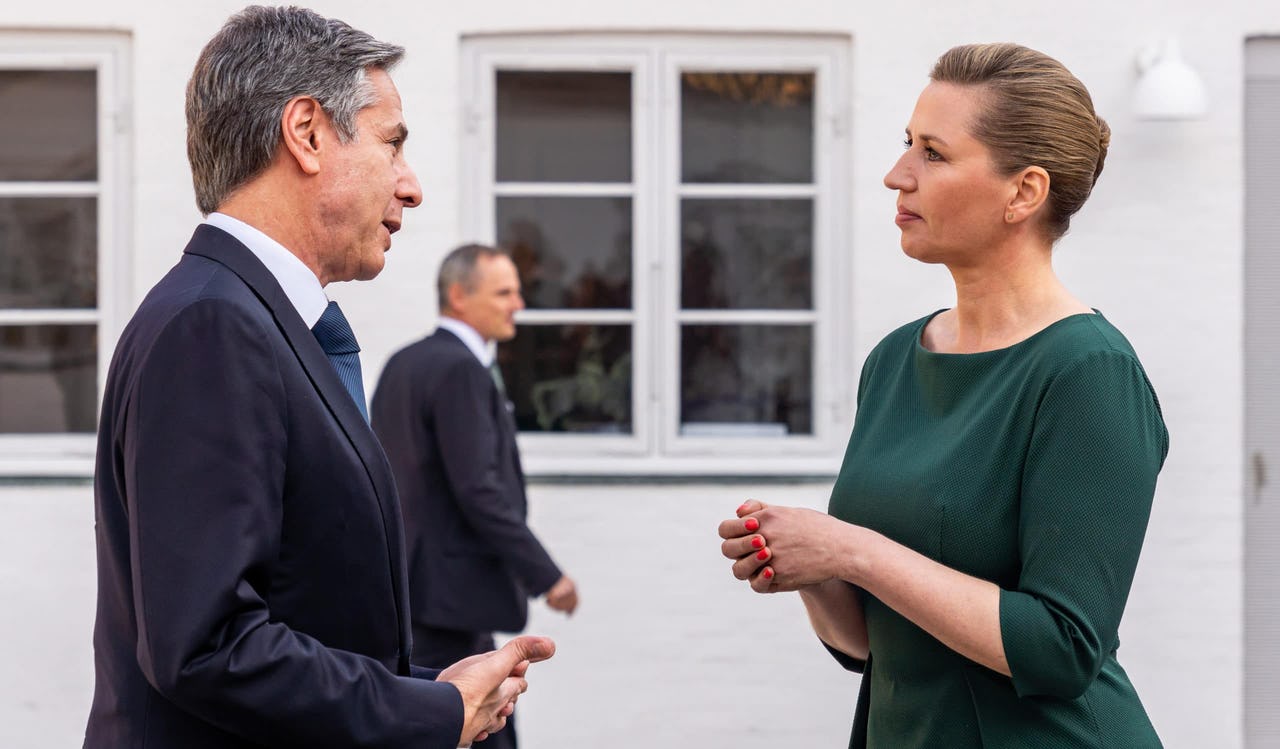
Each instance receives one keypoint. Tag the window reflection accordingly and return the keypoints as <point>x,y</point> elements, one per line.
<point>48,378</point>
<point>569,378</point>
<point>569,370</point>
<point>48,253</point>
<point>569,126</point>
<point>572,253</point>
<point>49,120</point>
<point>746,380</point>
<point>746,254</point>
<point>749,127</point>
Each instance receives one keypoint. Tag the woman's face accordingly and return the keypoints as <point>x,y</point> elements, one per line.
<point>951,201</point>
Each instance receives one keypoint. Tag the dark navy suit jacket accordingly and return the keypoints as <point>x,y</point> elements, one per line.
<point>251,573</point>
<point>451,440</point>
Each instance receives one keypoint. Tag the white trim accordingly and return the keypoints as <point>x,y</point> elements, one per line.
<point>49,316</point>
<point>645,99</point>
<point>833,163</point>
<point>479,208</point>
<point>668,261</point>
<point>49,189</point>
<point>822,438</point>
<point>562,190</point>
<point>42,455</point>
<point>596,459</point>
<point>576,317</point>
<point>729,191</point>
<point>109,54</point>
<point>657,447</point>
<point>746,317</point>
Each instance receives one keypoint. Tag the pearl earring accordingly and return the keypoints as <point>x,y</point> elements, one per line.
<point>1010,217</point>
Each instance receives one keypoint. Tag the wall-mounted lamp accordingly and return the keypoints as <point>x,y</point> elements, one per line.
<point>1168,88</point>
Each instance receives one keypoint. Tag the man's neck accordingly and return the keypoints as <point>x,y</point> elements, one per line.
<point>258,204</point>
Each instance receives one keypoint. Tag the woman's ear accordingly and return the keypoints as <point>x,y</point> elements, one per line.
<point>1031,190</point>
<point>300,127</point>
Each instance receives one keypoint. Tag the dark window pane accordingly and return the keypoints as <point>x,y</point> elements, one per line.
<point>48,253</point>
<point>569,378</point>
<point>746,127</point>
<point>563,126</point>
<point>48,125</point>
<point>48,378</point>
<point>746,254</point>
<point>746,380</point>
<point>572,253</point>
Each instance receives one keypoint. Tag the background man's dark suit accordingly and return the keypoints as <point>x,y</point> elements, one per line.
<point>451,440</point>
<point>252,589</point>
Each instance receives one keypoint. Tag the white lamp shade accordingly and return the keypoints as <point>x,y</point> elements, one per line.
<point>1168,88</point>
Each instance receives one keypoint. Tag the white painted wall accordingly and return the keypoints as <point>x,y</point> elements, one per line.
<point>667,650</point>
<point>47,588</point>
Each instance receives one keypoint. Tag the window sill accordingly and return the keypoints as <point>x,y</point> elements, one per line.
<point>699,469</point>
<point>47,456</point>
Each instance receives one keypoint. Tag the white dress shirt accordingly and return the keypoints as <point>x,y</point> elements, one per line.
<point>484,350</point>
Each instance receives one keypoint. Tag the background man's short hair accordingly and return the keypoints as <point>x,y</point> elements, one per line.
<point>459,267</point>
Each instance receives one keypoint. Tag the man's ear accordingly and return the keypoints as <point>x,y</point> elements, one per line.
<point>301,128</point>
<point>1031,190</point>
<point>457,295</point>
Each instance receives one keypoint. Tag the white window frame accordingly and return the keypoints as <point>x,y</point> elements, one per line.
<point>655,446</point>
<point>107,53</point>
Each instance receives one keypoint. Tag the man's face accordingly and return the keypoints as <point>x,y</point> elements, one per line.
<point>491,305</point>
<point>367,187</point>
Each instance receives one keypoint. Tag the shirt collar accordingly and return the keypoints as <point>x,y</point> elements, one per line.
<point>295,278</point>
<point>482,349</point>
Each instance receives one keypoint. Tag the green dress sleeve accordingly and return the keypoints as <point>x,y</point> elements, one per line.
<point>1097,443</point>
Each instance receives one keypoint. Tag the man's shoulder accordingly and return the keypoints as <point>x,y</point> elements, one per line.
<point>197,308</point>
<point>440,355</point>
<point>439,348</point>
<point>196,283</point>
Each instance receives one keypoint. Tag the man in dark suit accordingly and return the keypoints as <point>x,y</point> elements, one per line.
<point>252,583</point>
<point>441,411</point>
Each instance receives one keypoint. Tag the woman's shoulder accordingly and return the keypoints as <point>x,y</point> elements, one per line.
<point>1087,355</point>
<point>1078,338</point>
<point>1087,366</point>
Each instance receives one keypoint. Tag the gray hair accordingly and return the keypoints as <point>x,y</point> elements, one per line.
<point>260,60</point>
<point>459,267</point>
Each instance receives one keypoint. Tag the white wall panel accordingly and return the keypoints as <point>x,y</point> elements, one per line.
<point>1262,393</point>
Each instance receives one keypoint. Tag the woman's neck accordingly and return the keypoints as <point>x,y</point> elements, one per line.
<point>1000,304</point>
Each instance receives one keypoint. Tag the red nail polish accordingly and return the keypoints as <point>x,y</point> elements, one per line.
<point>752,524</point>
<point>763,555</point>
<point>742,507</point>
<point>768,573</point>
<point>757,543</point>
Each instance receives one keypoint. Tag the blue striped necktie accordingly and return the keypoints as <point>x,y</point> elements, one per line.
<point>339,344</point>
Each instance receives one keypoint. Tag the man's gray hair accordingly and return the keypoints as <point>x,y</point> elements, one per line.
<point>459,267</point>
<point>260,60</point>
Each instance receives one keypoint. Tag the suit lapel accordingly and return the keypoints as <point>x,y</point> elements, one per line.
<point>446,336</point>
<point>503,417</point>
<point>215,244</point>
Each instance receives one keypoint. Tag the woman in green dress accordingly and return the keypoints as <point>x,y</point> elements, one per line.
<point>984,529</point>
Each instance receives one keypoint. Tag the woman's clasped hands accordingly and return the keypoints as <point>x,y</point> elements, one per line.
<point>780,549</point>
